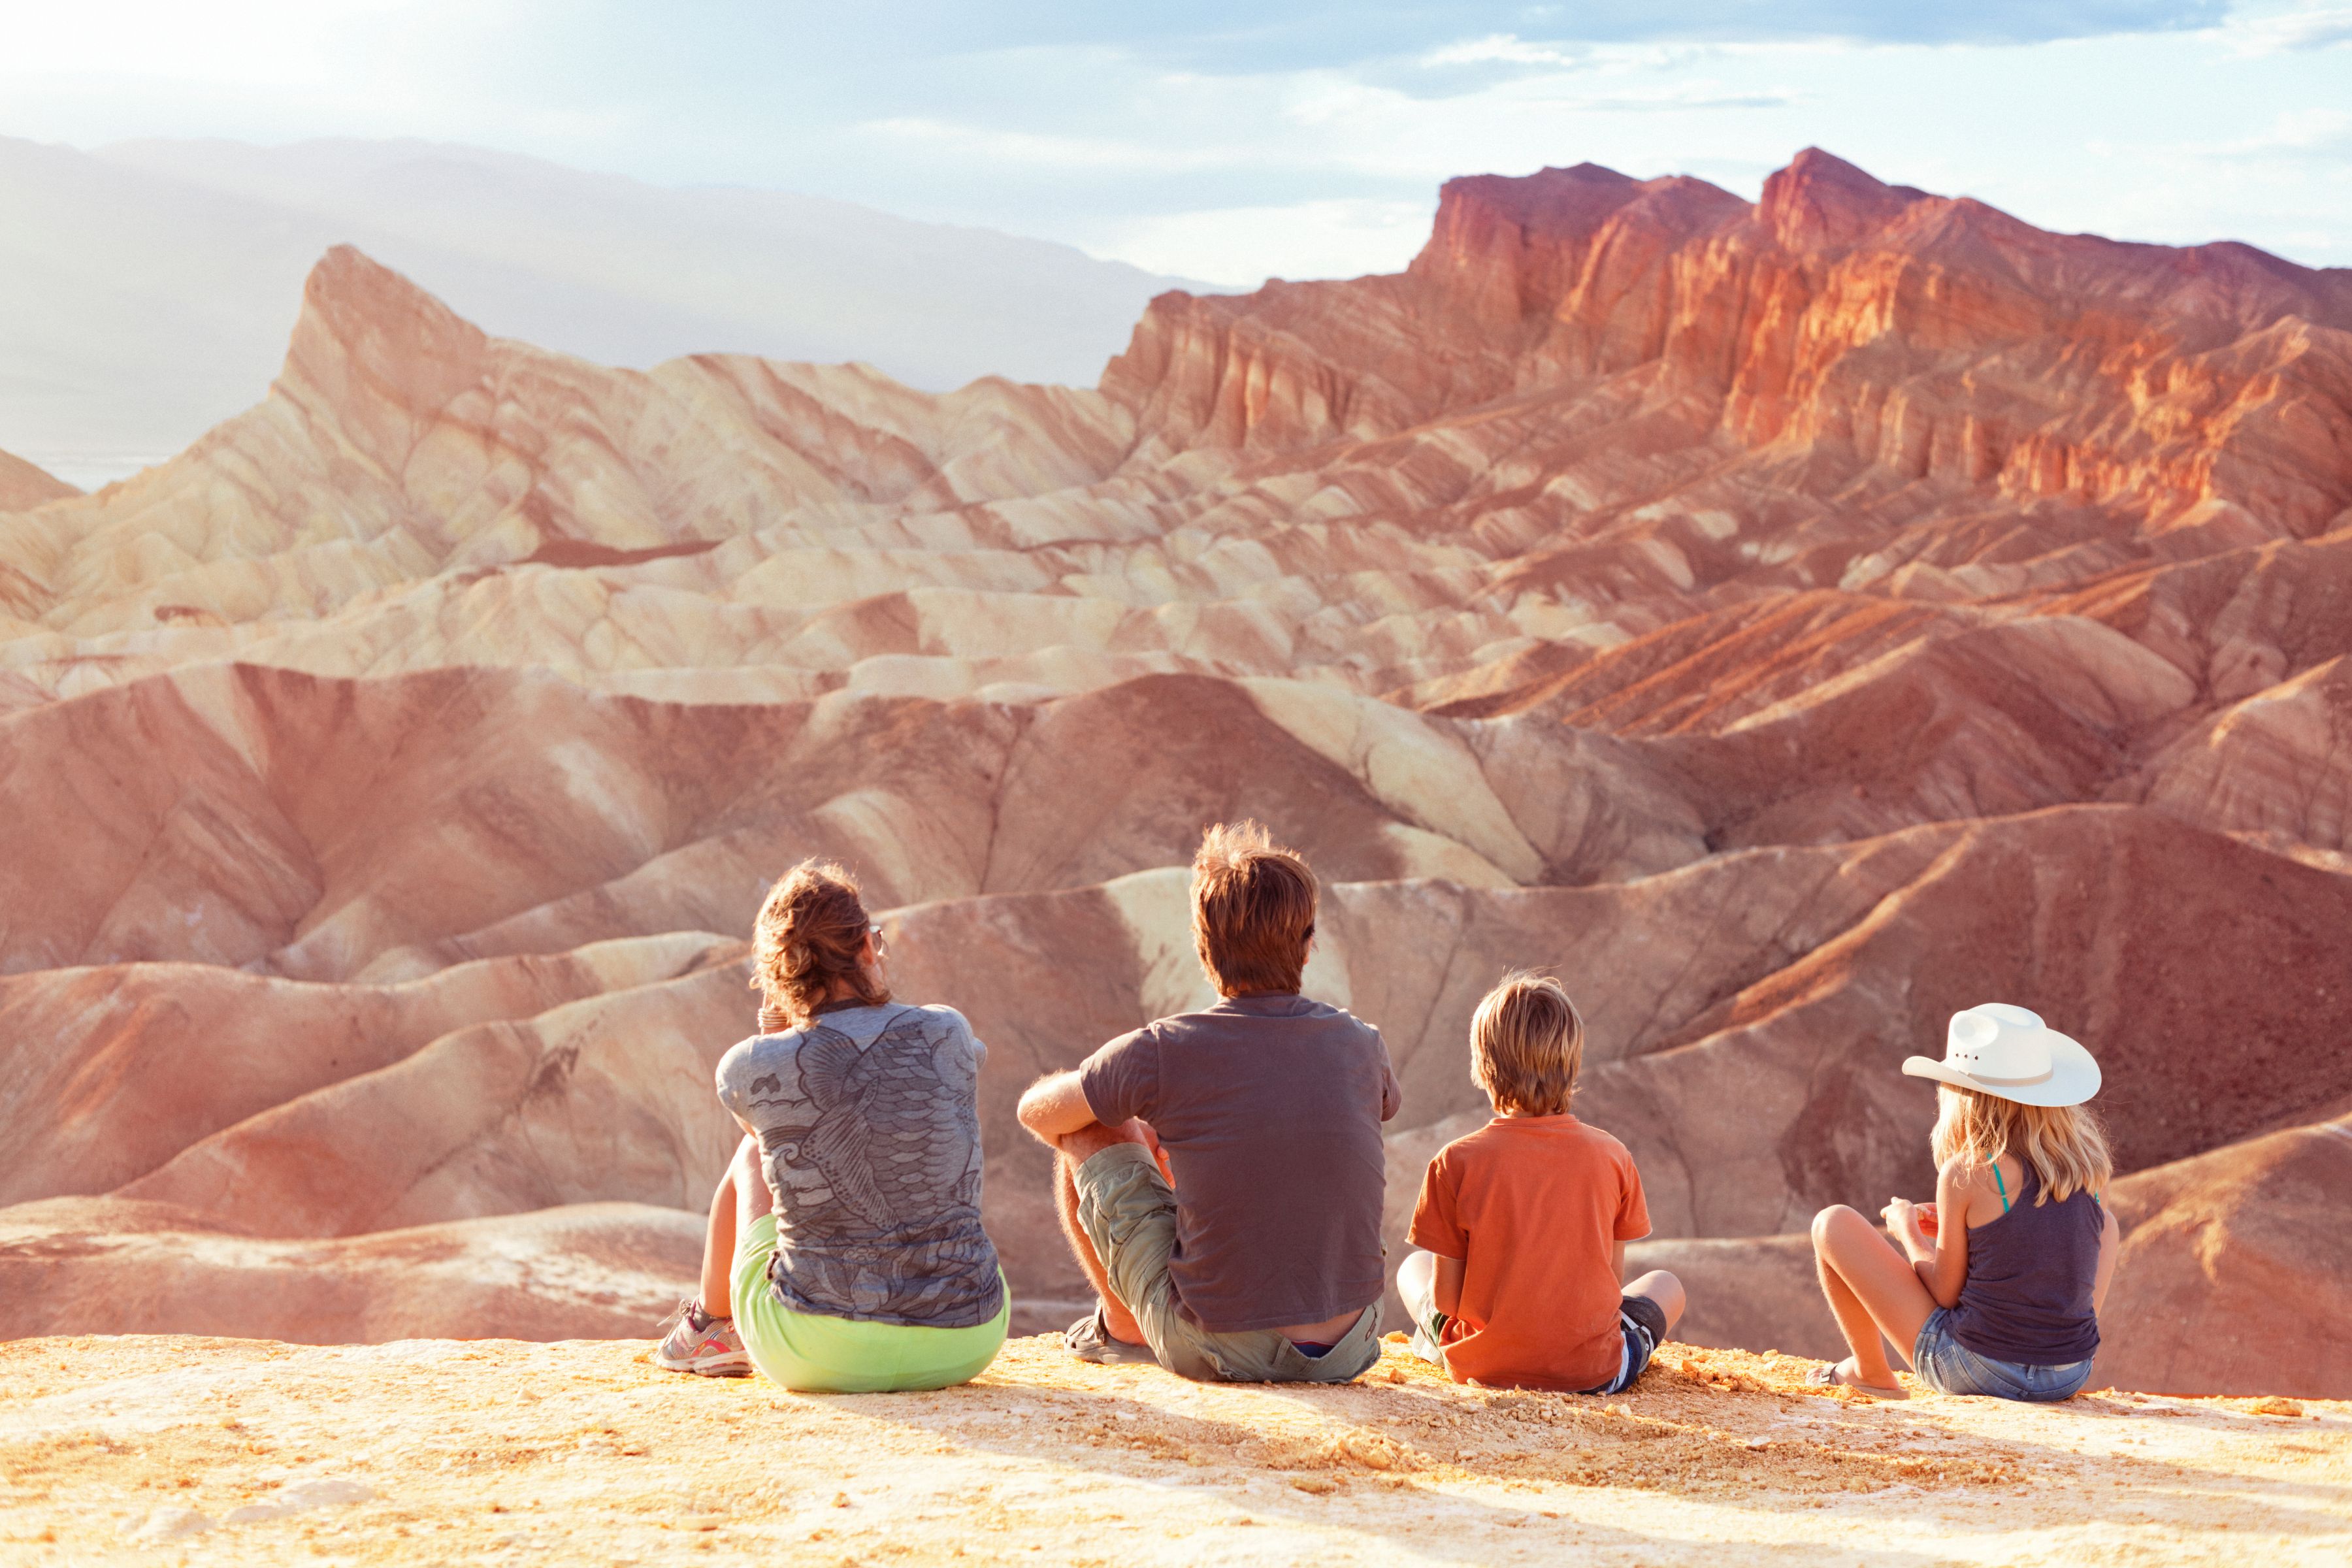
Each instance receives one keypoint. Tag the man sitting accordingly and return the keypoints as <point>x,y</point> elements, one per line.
<point>1264,1263</point>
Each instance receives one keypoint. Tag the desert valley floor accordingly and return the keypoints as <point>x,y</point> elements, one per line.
<point>1791,621</point>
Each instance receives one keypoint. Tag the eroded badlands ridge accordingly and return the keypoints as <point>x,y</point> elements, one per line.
<point>1793,621</point>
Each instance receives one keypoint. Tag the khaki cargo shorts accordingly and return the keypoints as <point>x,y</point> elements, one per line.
<point>1129,1214</point>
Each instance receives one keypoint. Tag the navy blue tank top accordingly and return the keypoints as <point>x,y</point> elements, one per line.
<point>2027,1297</point>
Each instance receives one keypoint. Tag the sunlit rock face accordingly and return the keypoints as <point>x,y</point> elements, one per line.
<point>1789,622</point>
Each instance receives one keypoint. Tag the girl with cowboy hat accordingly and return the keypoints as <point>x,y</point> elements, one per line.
<point>1996,1287</point>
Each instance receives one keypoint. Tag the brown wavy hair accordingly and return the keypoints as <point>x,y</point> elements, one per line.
<point>806,941</point>
<point>1527,1045</point>
<point>1252,911</point>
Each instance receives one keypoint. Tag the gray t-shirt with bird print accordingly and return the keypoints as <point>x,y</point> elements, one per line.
<point>868,1121</point>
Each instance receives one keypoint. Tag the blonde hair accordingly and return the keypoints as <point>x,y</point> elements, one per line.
<point>2063,1144</point>
<point>1527,1045</point>
<point>1252,909</point>
<point>807,940</point>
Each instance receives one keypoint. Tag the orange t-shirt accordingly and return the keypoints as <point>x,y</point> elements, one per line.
<point>1531,1206</point>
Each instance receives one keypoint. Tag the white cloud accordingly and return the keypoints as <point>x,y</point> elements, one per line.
<point>2279,151</point>
<point>262,42</point>
<point>2311,27</point>
<point>2302,131</point>
<point>984,144</point>
<point>1700,93</point>
<point>1503,48</point>
<point>1243,246</point>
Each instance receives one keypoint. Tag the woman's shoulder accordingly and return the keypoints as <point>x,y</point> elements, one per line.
<point>1991,1189</point>
<point>937,1020</point>
<point>745,1061</point>
<point>759,1045</point>
<point>1968,1175</point>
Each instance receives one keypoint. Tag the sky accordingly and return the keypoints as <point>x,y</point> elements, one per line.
<point>1232,140</point>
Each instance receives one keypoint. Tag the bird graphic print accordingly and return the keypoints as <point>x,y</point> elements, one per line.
<point>871,1142</point>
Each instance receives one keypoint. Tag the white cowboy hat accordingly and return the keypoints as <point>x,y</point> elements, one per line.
<point>2010,1054</point>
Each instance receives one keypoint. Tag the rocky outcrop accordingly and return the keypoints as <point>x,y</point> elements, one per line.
<point>2228,1277</point>
<point>2277,765</point>
<point>595,1271</point>
<point>1788,621</point>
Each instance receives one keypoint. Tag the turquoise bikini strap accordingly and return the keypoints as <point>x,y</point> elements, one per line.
<point>2001,1184</point>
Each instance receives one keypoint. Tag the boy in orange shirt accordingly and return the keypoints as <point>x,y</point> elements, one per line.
<point>1525,1221</point>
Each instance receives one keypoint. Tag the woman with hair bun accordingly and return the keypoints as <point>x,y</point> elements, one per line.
<point>846,1252</point>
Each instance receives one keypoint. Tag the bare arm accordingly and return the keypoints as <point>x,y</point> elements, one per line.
<point>1941,1261</point>
<point>2111,1242</point>
<point>1055,1107</point>
<point>748,1172</point>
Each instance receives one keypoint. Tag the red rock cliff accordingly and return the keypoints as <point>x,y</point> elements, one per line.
<point>1925,336</point>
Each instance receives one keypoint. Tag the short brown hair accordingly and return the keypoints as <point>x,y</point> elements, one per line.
<point>807,939</point>
<point>1527,1045</point>
<point>1252,909</point>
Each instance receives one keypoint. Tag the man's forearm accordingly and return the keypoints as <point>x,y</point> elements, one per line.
<point>1055,1107</point>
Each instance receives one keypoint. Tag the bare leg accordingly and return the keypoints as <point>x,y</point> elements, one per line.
<point>1077,1149</point>
<point>1664,1289</point>
<point>1872,1290</point>
<point>1416,1283</point>
<point>719,1249</point>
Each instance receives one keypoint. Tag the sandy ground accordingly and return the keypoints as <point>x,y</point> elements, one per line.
<point>232,1452</point>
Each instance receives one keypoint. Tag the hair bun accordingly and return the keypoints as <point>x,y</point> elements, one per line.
<point>807,940</point>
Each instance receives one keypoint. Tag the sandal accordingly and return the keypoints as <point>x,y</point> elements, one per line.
<point>1089,1338</point>
<point>1826,1377</point>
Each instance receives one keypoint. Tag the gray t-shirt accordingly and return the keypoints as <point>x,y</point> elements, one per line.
<point>1270,1109</point>
<point>868,1123</point>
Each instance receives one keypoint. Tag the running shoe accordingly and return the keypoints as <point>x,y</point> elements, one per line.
<point>694,1341</point>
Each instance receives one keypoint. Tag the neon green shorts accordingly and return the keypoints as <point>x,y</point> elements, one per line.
<point>817,1354</point>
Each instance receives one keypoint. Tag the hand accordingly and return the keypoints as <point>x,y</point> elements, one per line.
<point>1151,1141</point>
<point>1926,1212</point>
<point>1085,1142</point>
<point>1902,1216</point>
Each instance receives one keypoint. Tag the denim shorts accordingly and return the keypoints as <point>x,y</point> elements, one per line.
<point>1949,1366</point>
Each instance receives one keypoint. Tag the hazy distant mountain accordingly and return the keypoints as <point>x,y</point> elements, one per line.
<point>146,291</point>
<point>23,485</point>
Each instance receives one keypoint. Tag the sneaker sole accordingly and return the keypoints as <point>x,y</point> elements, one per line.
<point>729,1367</point>
<point>1111,1353</point>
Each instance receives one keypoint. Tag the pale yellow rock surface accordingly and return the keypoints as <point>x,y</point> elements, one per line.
<point>212,1451</point>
